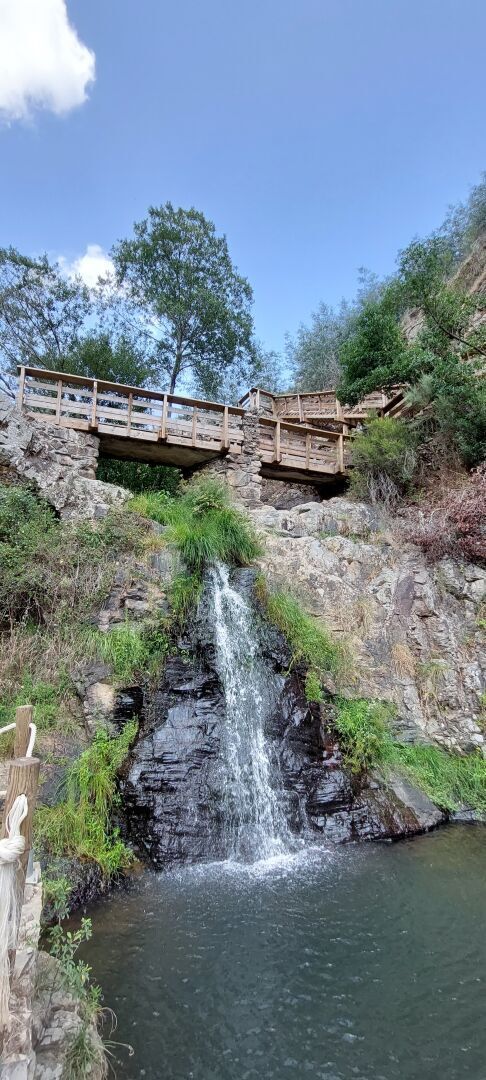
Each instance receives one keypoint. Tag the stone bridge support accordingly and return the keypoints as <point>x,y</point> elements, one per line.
<point>242,471</point>
<point>59,462</point>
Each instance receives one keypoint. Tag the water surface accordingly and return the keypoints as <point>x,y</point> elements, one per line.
<point>363,963</point>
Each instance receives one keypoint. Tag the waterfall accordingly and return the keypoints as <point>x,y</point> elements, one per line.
<point>254,819</point>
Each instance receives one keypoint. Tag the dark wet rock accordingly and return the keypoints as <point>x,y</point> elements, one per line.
<point>173,787</point>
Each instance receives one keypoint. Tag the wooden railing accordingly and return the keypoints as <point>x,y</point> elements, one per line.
<point>107,408</point>
<point>301,447</point>
<point>113,411</point>
<point>315,406</point>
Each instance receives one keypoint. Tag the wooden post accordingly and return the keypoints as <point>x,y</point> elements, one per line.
<point>225,439</point>
<point>129,414</point>
<point>20,398</point>
<point>58,401</point>
<point>257,401</point>
<point>23,718</point>
<point>23,779</point>
<point>308,440</point>
<point>299,403</point>
<point>194,426</point>
<point>340,454</point>
<point>277,456</point>
<point>339,410</point>
<point>163,426</point>
<point>94,406</point>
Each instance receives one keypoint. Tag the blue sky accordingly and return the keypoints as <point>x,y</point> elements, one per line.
<point>319,135</point>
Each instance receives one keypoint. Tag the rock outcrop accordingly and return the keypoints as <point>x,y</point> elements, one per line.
<point>59,462</point>
<point>413,628</point>
<point>173,789</point>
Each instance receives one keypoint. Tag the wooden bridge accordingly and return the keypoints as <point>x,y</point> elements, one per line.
<point>316,407</point>
<point>144,425</point>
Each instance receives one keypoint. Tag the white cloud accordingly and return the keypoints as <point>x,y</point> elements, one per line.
<point>43,64</point>
<point>95,263</point>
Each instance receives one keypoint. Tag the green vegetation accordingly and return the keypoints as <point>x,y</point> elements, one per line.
<point>138,476</point>
<point>131,648</point>
<point>450,780</point>
<point>85,1052</point>
<point>363,730</point>
<point>384,459</point>
<point>202,525</point>
<point>184,596</point>
<point>81,824</point>
<point>310,642</point>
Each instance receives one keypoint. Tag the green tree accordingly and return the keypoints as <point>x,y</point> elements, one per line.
<point>192,303</point>
<point>376,354</point>
<point>314,354</point>
<point>101,355</point>
<point>41,315</point>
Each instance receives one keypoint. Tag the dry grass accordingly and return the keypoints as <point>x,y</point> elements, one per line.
<point>403,660</point>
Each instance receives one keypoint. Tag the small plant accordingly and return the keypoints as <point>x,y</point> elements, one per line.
<point>81,824</point>
<point>451,780</point>
<point>312,688</point>
<point>363,731</point>
<point>202,525</point>
<point>184,596</point>
<point>310,642</point>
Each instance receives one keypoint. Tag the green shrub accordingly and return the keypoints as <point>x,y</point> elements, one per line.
<point>450,780</point>
<point>81,824</point>
<point>184,596</point>
<point>383,458</point>
<point>363,732</point>
<point>311,643</point>
<point>202,525</point>
<point>138,476</point>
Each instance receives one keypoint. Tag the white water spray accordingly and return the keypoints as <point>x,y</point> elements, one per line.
<point>255,822</point>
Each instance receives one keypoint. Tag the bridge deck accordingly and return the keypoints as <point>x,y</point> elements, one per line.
<point>145,425</point>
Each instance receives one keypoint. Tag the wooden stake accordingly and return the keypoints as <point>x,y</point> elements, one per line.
<point>340,454</point>
<point>23,779</point>
<point>225,440</point>
<point>23,718</point>
<point>20,399</point>
<point>163,426</point>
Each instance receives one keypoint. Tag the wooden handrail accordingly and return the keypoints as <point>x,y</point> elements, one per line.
<point>124,389</point>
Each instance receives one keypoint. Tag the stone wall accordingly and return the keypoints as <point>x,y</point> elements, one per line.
<point>242,471</point>
<point>59,462</point>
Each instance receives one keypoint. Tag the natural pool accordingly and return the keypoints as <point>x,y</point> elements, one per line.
<point>359,963</point>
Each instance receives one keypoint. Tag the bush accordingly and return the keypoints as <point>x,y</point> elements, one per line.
<point>451,780</point>
<point>202,525</point>
<point>131,648</point>
<point>138,476</point>
<point>456,528</point>
<point>363,733</point>
<point>383,458</point>
<point>81,824</point>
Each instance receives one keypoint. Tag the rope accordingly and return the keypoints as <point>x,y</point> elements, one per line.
<point>33,734</point>
<point>11,848</point>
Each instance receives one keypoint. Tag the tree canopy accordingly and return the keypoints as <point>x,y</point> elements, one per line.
<point>187,296</point>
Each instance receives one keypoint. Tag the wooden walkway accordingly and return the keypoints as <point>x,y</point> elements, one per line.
<point>145,425</point>
<point>322,406</point>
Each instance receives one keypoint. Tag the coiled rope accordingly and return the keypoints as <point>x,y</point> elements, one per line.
<point>11,848</point>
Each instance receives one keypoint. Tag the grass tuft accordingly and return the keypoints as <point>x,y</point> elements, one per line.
<point>310,642</point>
<point>81,824</point>
<point>202,524</point>
<point>451,780</point>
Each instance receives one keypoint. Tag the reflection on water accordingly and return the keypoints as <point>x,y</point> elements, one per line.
<point>357,964</point>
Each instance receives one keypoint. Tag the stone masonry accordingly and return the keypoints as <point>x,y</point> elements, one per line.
<point>59,462</point>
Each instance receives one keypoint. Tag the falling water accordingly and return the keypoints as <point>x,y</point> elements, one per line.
<point>255,821</point>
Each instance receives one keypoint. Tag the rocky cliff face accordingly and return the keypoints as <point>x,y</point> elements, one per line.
<point>413,629</point>
<point>173,790</point>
